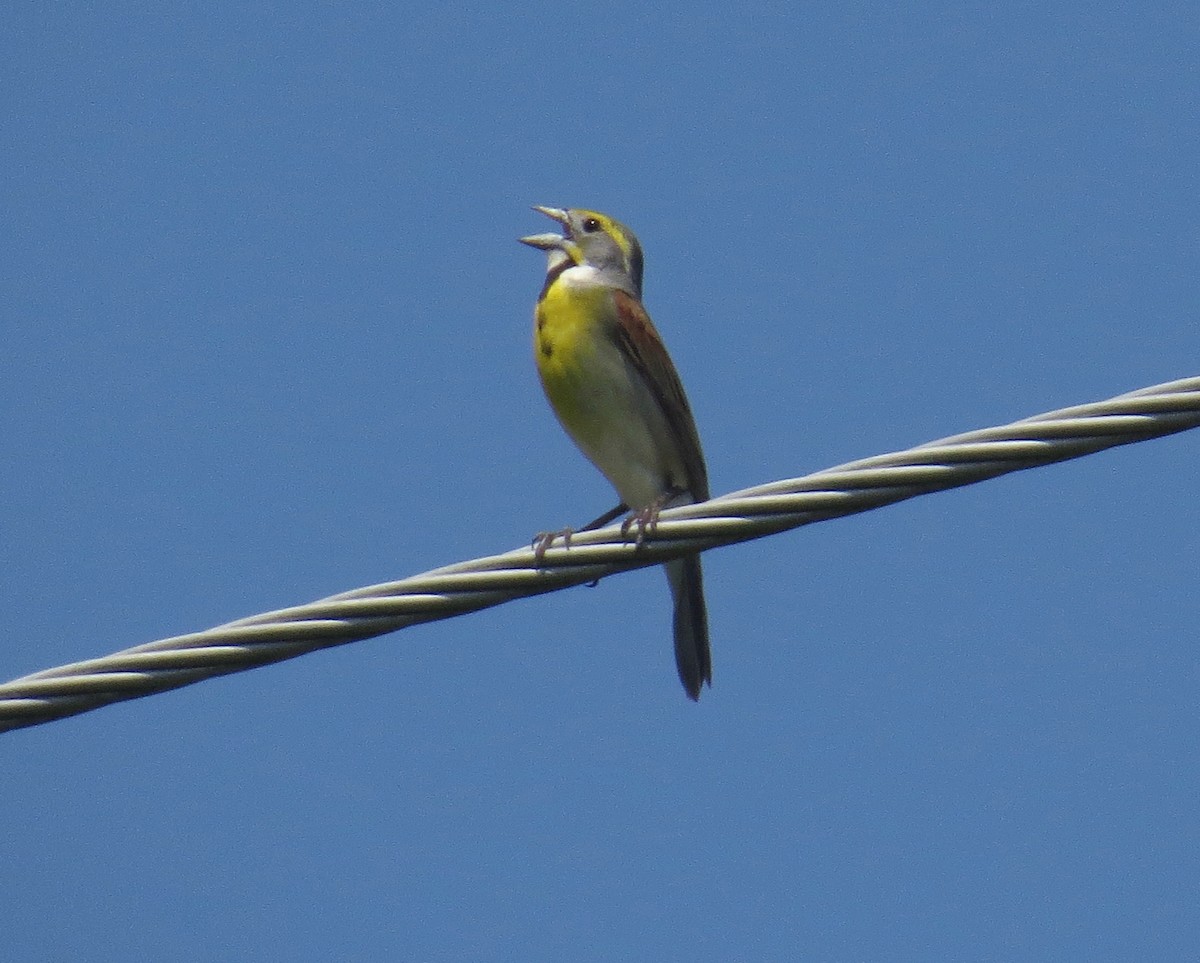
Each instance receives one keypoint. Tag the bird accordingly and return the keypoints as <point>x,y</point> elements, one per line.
<point>612,385</point>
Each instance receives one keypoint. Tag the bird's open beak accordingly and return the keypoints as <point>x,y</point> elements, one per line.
<point>554,213</point>
<point>547,242</point>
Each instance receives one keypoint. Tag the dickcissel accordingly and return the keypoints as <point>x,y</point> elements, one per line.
<point>612,385</point>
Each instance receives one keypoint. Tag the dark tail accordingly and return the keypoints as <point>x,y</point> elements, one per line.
<point>692,655</point>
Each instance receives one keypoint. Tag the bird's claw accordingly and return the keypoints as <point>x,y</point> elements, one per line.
<point>644,520</point>
<point>543,540</point>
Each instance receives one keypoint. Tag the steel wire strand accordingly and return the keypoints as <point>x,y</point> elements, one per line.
<point>362,613</point>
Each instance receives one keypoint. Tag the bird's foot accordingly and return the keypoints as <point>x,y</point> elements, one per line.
<point>643,520</point>
<point>646,519</point>
<point>543,540</point>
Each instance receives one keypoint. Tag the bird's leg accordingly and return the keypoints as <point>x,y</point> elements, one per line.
<point>543,540</point>
<point>605,518</point>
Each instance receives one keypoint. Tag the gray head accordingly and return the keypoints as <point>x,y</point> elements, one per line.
<point>595,240</point>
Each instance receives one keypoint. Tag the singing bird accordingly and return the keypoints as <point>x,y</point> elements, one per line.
<point>610,381</point>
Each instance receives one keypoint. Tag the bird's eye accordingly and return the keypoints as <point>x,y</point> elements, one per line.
<point>591,225</point>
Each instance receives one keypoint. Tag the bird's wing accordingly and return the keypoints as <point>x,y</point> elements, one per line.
<point>638,339</point>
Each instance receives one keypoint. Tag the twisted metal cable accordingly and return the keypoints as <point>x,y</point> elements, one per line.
<point>467,586</point>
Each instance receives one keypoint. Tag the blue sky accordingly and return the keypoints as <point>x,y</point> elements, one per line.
<point>266,331</point>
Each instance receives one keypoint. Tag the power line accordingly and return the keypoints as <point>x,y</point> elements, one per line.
<point>848,489</point>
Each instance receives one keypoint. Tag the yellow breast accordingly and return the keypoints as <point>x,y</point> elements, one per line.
<point>568,327</point>
<point>599,395</point>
